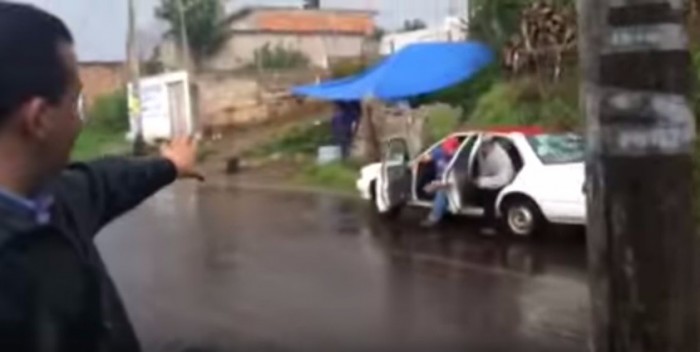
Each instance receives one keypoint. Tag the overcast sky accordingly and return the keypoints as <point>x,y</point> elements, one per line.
<point>100,25</point>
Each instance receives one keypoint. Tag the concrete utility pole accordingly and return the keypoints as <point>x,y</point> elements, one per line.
<point>184,38</point>
<point>641,243</point>
<point>139,147</point>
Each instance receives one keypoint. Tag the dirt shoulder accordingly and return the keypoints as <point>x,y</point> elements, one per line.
<point>277,156</point>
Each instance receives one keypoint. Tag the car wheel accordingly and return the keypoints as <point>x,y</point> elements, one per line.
<point>390,214</point>
<point>521,217</point>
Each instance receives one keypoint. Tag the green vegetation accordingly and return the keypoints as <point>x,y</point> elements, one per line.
<point>413,25</point>
<point>279,58</point>
<point>442,120</point>
<point>204,21</point>
<point>493,100</point>
<point>339,176</point>
<point>524,102</point>
<point>466,94</point>
<point>304,139</point>
<point>104,131</point>
<point>493,97</point>
<point>94,143</point>
<point>300,145</point>
<point>110,113</point>
<point>346,68</point>
<point>494,22</point>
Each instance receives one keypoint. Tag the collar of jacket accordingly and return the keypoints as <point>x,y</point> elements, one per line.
<point>14,220</point>
<point>38,209</point>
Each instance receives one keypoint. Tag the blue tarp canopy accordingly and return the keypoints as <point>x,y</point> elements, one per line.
<point>417,69</point>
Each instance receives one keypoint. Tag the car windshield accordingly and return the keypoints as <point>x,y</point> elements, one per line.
<point>558,148</point>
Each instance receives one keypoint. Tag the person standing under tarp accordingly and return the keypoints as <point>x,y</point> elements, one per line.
<point>346,120</point>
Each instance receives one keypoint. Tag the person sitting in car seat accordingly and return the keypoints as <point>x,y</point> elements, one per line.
<point>442,157</point>
<point>495,172</point>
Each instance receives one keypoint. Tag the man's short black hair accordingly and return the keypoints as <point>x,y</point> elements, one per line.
<point>30,62</point>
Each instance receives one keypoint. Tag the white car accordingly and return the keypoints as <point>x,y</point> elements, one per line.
<point>548,185</point>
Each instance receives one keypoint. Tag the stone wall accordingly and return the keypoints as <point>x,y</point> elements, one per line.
<point>228,100</point>
<point>240,50</point>
<point>390,122</point>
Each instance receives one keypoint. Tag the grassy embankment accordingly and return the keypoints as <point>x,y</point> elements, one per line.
<point>105,129</point>
<point>487,100</point>
<point>490,99</point>
<point>299,146</point>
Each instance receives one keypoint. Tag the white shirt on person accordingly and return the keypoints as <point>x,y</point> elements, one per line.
<point>495,168</point>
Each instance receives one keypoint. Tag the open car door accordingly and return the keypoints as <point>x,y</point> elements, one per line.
<point>396,174</point>
<point>458,175</point>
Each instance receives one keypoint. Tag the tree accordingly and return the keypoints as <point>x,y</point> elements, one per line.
<point>279,58</point>
<point>312,4</point>
<point>378,33</point>
<point>203,24</point>
<point>413,25</point>
<point>545,40</point>
<point>495,22</point>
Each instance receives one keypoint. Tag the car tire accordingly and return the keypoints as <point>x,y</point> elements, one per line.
<point>521,217</point>
<point>391,214</point>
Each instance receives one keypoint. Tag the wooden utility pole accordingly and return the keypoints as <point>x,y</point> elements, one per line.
<point>641,243</point>
<point>139,147</point>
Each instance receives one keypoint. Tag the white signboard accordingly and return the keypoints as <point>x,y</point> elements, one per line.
<point>164,108</point>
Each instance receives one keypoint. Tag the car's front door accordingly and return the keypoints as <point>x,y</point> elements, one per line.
<point>396,188</point>
<point>458,173</point>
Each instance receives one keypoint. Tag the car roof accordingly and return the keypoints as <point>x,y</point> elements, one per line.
<point>525,130</point>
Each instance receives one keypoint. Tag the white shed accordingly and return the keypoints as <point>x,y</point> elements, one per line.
<point>164,107</point>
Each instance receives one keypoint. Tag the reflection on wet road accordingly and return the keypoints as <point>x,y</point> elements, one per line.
<point>204,269</point>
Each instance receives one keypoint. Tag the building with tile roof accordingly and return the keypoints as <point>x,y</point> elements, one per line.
<point>321,35</point>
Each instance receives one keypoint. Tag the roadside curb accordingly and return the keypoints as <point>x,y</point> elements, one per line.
<point>278,187</point>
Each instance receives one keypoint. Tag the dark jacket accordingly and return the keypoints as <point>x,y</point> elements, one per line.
<point>55,293</point>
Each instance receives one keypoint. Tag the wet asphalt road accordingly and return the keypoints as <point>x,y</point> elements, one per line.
<point>207,269</point>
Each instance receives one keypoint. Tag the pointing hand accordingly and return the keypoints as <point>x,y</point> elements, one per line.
<point>182,151</point>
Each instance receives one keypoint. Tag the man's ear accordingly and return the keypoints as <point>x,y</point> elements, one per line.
<point>34,118</point>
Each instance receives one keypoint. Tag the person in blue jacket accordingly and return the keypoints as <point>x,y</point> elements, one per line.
<point>346,120</point>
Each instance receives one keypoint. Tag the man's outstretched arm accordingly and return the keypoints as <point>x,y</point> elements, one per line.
<point>100,191</point>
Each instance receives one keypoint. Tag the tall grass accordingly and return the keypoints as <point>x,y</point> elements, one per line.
<point>105,128</point>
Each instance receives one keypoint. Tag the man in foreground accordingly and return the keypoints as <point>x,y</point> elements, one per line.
<point>55,292</point>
